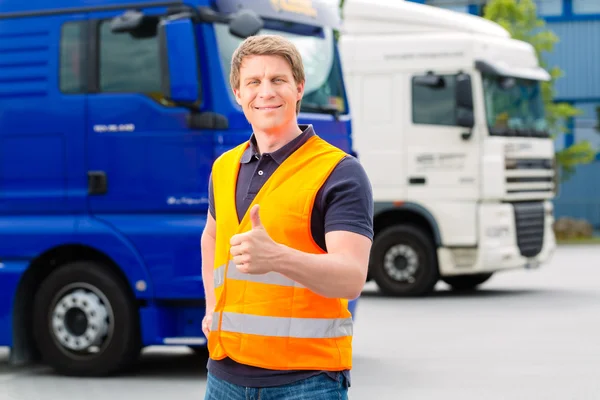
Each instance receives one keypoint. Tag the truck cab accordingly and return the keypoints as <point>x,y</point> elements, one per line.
<point>111,115</point>
<point>450,126</point>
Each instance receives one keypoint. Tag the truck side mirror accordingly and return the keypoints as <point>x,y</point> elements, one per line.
<point>430,80</point>
<point>464,92</point>
<point>179,58</point>
<point>245,23</point>
<point>129,21</point>
<point>465,116</point>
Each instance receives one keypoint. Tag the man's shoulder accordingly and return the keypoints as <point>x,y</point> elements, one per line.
<point>228,155</point>
<point>348,177</point>
<point>349,167</point>
<point>346,199</point>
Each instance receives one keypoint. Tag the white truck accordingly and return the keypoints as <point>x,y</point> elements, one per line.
<point>449,123</point>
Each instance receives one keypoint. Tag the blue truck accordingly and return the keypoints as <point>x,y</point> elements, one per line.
<point>111,115</point>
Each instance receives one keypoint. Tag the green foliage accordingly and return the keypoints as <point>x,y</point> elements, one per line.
<point>520,18</point>
<point>336,33</point>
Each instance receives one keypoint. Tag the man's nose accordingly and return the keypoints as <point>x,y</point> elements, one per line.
<point>266,89</point>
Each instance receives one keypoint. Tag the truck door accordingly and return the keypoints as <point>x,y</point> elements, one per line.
<point>42,117</point>
<point>147,170</point>
<point>442,157</point>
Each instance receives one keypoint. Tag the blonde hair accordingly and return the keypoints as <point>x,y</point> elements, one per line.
<point>261,45</point>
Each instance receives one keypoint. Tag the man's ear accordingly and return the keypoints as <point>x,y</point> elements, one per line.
<point>238,98</point>
<point>300,88</point>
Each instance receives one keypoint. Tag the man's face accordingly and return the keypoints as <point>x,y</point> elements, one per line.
<point>268,93</point>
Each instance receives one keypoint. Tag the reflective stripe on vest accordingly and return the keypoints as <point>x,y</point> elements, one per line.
<point>272,278</point>
<point>303,328</point>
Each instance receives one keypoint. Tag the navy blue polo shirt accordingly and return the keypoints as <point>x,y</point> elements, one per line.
<point>344,202</point>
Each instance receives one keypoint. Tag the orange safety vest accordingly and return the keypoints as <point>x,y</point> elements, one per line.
<point>269,320</point>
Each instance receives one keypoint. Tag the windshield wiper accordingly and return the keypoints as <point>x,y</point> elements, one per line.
<point>324,108</point>
<point>541,133</point>
<point>502,131</point>
<point>519,132</point>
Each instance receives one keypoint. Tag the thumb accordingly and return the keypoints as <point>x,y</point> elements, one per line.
<point>255,217</point>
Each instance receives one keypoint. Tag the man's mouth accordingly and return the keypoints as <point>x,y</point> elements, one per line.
<point>267,108</point>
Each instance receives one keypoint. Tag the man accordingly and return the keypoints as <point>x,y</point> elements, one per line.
<point>286,243</point>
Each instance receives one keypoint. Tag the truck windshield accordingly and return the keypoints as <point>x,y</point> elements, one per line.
<point>323,90</point>
<point>514,107</point>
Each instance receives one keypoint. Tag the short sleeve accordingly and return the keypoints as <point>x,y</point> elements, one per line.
<point>347,199</point>
<point>211,198</point>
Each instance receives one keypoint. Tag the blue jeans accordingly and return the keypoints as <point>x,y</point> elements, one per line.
<point>319,387</point>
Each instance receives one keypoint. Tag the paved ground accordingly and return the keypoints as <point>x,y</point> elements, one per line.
<point>525,335</point>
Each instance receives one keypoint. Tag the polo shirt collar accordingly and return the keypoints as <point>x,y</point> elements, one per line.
<point>280,155</point>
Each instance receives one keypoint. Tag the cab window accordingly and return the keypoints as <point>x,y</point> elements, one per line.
<point>72,58</point>
<point>128,64</point>
<point>434,105</point>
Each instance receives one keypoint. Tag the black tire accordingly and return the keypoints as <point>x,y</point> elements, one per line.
<point>421,247</point>
<point>121,345</point>
<point>466,282</point>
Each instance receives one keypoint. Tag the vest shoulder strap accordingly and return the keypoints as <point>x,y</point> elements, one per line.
<point>315,157</point>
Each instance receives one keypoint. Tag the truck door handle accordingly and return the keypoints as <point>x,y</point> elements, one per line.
<point>97,183</point>
<point>416,181</point>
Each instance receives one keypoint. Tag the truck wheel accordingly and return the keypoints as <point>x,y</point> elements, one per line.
<point>466,282</point>
<point>403,261</point>
<point>85,324</point>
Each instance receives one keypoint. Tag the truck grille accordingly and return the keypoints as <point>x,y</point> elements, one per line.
<point>529,221</point>
<point>529,179</point>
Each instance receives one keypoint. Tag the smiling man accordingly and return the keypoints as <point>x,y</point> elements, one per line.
<point>286,244</point>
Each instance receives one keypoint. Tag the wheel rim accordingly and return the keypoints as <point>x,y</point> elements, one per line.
<point>81,320</point>
<point>401,263</point>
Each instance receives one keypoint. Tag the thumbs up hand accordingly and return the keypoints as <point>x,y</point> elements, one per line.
<point>255,217</point>
<point>254,251</point>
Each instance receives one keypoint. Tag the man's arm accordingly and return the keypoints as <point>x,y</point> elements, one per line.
<point>207,245</point>
<point>346,204</point>
<point>341,273</point>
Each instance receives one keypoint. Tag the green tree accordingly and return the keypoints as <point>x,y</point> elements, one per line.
<point>336,33</point>
<point>520,18</point>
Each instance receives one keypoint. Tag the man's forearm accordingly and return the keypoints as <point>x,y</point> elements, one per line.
<point>330,275</point>
<point>208,258</point>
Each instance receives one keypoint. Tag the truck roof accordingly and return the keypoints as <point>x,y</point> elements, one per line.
<point>315,12</point>
<point>399,16</point>
<point>9,7</point>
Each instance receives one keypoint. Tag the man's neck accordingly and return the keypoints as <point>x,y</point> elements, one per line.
<point>269,142</point>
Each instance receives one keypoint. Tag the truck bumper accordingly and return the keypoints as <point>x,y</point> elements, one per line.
<point>510,236</point>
